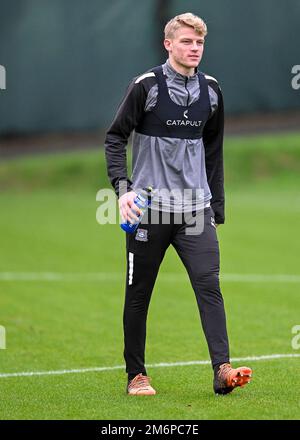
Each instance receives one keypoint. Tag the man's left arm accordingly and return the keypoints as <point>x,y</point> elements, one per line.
<point>213,144</point>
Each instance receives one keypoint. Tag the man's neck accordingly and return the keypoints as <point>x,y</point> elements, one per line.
<point>185,71</point>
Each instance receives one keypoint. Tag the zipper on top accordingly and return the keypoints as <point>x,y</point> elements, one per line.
<point>188,97</point>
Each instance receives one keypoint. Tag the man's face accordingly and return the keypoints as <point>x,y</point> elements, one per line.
<point>186,47</point>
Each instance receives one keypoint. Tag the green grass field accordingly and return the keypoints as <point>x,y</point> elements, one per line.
<point>48,226</point>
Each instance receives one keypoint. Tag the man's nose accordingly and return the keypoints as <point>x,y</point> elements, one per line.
<point>195,45</point>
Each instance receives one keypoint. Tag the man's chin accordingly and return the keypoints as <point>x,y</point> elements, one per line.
<point>192,63</point>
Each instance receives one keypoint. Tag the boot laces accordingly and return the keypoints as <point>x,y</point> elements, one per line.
<point>140,380</point>
<point>224,370</point>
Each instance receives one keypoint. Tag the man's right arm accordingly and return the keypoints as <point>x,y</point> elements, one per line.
<point>128,116</point>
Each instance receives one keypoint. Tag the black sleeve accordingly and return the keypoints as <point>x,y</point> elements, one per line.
<point>128,115</point>
<point>213,144</point>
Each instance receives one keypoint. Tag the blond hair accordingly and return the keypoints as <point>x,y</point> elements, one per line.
<point>187,19</point>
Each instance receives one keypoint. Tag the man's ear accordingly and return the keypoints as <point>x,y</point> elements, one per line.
<point>168,44</point>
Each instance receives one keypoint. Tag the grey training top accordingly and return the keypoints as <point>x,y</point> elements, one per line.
<point>169,164</point>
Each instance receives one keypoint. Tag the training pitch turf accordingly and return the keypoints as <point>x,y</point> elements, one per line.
<point>62,291</point>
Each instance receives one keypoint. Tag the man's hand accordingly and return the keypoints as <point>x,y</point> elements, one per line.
<point>127,206</point>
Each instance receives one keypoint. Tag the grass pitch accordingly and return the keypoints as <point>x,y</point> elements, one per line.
<point>48,226</point>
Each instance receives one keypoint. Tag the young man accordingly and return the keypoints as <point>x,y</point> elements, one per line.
<point>176,114</point>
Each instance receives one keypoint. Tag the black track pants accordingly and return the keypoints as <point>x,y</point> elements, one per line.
<point>200,255</point>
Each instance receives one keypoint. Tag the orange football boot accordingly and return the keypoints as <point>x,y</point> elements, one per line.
<point>140,385</point>
<point>227,378</point>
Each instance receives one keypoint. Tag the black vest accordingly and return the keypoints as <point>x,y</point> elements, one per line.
<point>168,119</point>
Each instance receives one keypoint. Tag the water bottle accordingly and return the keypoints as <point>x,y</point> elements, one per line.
<point>142,201</point>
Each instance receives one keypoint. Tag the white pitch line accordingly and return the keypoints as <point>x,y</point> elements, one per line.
<point>159,365</point>
<point>164,276</point>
